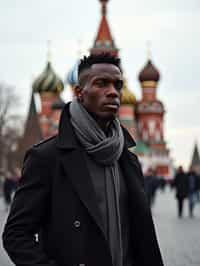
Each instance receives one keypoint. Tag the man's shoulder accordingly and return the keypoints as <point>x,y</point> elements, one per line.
<point>46,147</point>
<point>45,142</point>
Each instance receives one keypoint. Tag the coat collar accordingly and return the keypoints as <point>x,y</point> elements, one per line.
<point>66,137</point>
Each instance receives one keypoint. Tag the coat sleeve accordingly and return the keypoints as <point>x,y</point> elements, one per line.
<point>28,212</point>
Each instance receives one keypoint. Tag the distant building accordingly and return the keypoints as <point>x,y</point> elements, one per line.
<point>150,112</point>
<point>195,162</point>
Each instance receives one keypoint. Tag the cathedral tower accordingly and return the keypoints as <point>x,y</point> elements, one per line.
<point>104,41</point>
<point>150,118</point>
<point>49,86</point>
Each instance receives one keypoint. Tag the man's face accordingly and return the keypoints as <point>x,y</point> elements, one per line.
<point>102,91</point>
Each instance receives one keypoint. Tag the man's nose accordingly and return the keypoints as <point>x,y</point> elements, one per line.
<point>112,91</point>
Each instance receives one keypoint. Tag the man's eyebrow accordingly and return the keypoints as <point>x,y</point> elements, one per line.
<point>109,77</point>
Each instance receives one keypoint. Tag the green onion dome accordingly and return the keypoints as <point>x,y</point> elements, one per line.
<point>48,81</point>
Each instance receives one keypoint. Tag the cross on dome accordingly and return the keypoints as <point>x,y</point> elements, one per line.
<point>104,3</point>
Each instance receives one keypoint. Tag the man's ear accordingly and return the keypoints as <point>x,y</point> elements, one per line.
<point>78,92</point>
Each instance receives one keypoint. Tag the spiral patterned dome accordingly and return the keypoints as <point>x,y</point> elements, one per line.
<point>127,96</point>
<point>72,76</point>
<point>149,73</point>
<point>48,81</point>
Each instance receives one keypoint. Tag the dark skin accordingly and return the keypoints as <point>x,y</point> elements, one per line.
<point>100,92</point>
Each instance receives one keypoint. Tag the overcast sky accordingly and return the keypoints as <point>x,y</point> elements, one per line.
<point>172,26</point>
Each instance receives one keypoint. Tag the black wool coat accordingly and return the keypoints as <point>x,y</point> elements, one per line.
<point>56,200</point>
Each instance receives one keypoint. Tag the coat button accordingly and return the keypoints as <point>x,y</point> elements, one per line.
<point>77,224</point>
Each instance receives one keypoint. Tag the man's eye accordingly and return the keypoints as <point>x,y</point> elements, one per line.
<point>118,84</point>
<point>102,82</point>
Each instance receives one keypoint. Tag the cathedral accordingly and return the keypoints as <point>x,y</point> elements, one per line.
<point>144,117</point>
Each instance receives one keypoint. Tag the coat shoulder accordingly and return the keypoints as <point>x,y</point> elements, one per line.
<point>46,148</point>
<point>45,142</point>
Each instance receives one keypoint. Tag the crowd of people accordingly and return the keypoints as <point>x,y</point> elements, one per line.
<point>185,184</point>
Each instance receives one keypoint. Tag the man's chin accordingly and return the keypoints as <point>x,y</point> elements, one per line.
<point>108,117</point>
<point>104,117</point>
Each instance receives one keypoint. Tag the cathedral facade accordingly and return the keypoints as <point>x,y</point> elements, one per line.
<point>144,118</point>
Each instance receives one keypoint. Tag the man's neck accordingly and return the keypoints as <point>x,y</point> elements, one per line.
<point>103,123</point>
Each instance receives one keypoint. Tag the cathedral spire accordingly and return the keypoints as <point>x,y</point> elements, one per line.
<point>104,42</point>
<point>149,54</point>
<point>49,51</point>
<point>195,163</point>
<point>104,7</point>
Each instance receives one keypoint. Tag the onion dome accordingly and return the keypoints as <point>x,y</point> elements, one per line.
<point>127,96</point>
<point>58,104</point>
<point>149,73</point>
<point>48,81</point>
<point>72,76</point>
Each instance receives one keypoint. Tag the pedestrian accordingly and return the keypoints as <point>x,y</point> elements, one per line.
<point>181,186</point>
<point>192,190</point>
<point>198,187</point>
<point>82,191</point>
<point>151,185</point>
<point>9,187</point>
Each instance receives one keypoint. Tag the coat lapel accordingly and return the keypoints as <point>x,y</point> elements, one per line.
<point>75,167</point>
<point>76,170</point>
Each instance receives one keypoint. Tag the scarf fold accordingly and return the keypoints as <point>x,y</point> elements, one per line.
<point>105,150</point>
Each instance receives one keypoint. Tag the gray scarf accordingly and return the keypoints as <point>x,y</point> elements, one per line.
<point>105,150</point>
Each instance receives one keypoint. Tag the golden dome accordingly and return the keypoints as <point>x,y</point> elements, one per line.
<point>127,96</point>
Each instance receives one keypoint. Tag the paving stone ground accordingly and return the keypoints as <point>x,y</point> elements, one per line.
<point>179,238</point>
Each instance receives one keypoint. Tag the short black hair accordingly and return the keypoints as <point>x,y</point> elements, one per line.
<point>92,59</point>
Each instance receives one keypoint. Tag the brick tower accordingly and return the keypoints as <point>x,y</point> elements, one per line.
<point>150,118</point>
<point>49,86</point>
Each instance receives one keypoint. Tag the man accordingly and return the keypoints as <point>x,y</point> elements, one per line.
<point>82,190</point>
<point>192,190</point>
<point>181,187</point>
<point>151,186</point>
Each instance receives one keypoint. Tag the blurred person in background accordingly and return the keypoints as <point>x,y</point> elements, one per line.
<point>198,187</point>
<point>10,186</point>
<point>192,190</point>
<point>151,184</point>
<point>181,186</point>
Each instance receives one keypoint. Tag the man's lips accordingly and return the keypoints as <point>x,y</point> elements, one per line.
<point>112,105</point>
